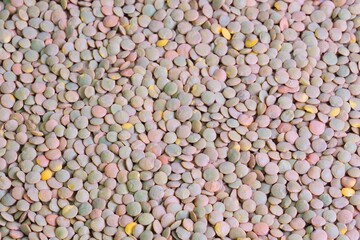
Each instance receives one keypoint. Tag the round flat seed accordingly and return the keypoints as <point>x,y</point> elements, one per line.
<point>5,182</point>
<point>111,21</point>
<point>5,36</point>
<point>98,224</point>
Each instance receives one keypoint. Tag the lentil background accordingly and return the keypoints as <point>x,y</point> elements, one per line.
<point>179,119</point>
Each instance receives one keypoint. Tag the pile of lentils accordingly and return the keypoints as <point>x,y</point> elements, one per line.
<point>179,119</point>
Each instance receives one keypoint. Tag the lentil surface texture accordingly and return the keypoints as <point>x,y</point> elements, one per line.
<point>179,119</point>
